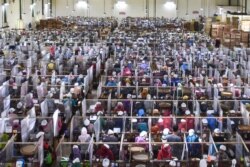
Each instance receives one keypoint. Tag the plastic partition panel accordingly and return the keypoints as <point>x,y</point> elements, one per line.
<point>238,147</point>
<point>97,129</point>
<point>84,108</point>
<point>229,126</point>
<point>44,108</point>
<point>55,122</point>
<point>32,119</point>
<point>25,129</point>
<point>109,104</point>
<point>62,90</point>
<point>197,115</point>
<point>41,150</point>
<point>6,103</point>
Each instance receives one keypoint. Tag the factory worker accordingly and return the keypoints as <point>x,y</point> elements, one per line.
<point>221,155</point>
<point>189,119</point>
<point>75,153</point>
<point>174,137</point>
<point>212,122</point>
<point>105,152</point>
<point>165,152</point>
<point>193,148</point>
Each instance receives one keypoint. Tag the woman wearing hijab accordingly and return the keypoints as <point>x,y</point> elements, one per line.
<point>105,152</point>
<point>84,138</point>
<point>75,153</point>
<point>165,152</point>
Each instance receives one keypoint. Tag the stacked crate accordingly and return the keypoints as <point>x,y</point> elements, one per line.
<point>208,25</point>
<point>51,24</point>
<point>235,22</point>
<point>229,35</point>
<point>43,24</point>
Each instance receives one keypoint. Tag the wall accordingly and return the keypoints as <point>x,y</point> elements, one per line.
<point>134,8</point>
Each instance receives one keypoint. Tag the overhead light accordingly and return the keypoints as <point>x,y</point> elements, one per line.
<point>82,4</point>
<point>121,4</point>
<point>170,4</point>
<point>6,4</point>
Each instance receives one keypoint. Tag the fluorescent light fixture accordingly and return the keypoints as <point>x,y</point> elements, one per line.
<point>6,4</point>
<point>82,4</point>
<point>170,5</point>
<point>121,4</point>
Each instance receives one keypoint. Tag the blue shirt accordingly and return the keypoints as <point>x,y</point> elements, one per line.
<point>211,122</point>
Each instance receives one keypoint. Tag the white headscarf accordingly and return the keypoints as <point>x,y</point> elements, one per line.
<point>84,137</point>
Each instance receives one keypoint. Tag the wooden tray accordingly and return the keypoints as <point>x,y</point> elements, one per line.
<point>226,94</point>
<point>141,157</point>
<point>28,150</point>
<point>136,149</point>
<point>244,127</point>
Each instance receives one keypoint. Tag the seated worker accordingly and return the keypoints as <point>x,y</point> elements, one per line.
<point>174,137</point>
<point>98,107</point>
<point>142,125</point>
<point>118,121</point>
<point>189,119</point>
<point>218,137</point>
<point>105,152</point>
<point>193,148</point>
<point>111,82</point>
<point>212,122</point>
<point>110,137</point>
<point>165,152</point>
<point>76,153</point>
<point>182,109</point>
<point>84,137</point>
<point>142,138</point>
<point>119,107</point>
<point>221,155</point>
<point>182,126</point>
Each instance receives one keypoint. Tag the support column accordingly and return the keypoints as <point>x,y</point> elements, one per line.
<point>20,24</point>
<point>154,8</point>
<point>42,7</point>
<point>50,5</point>
<point>5,23</point>
<point>147,8</point>
<point>246,6</point>
<point>20,10</point>
<point>32,9</point>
